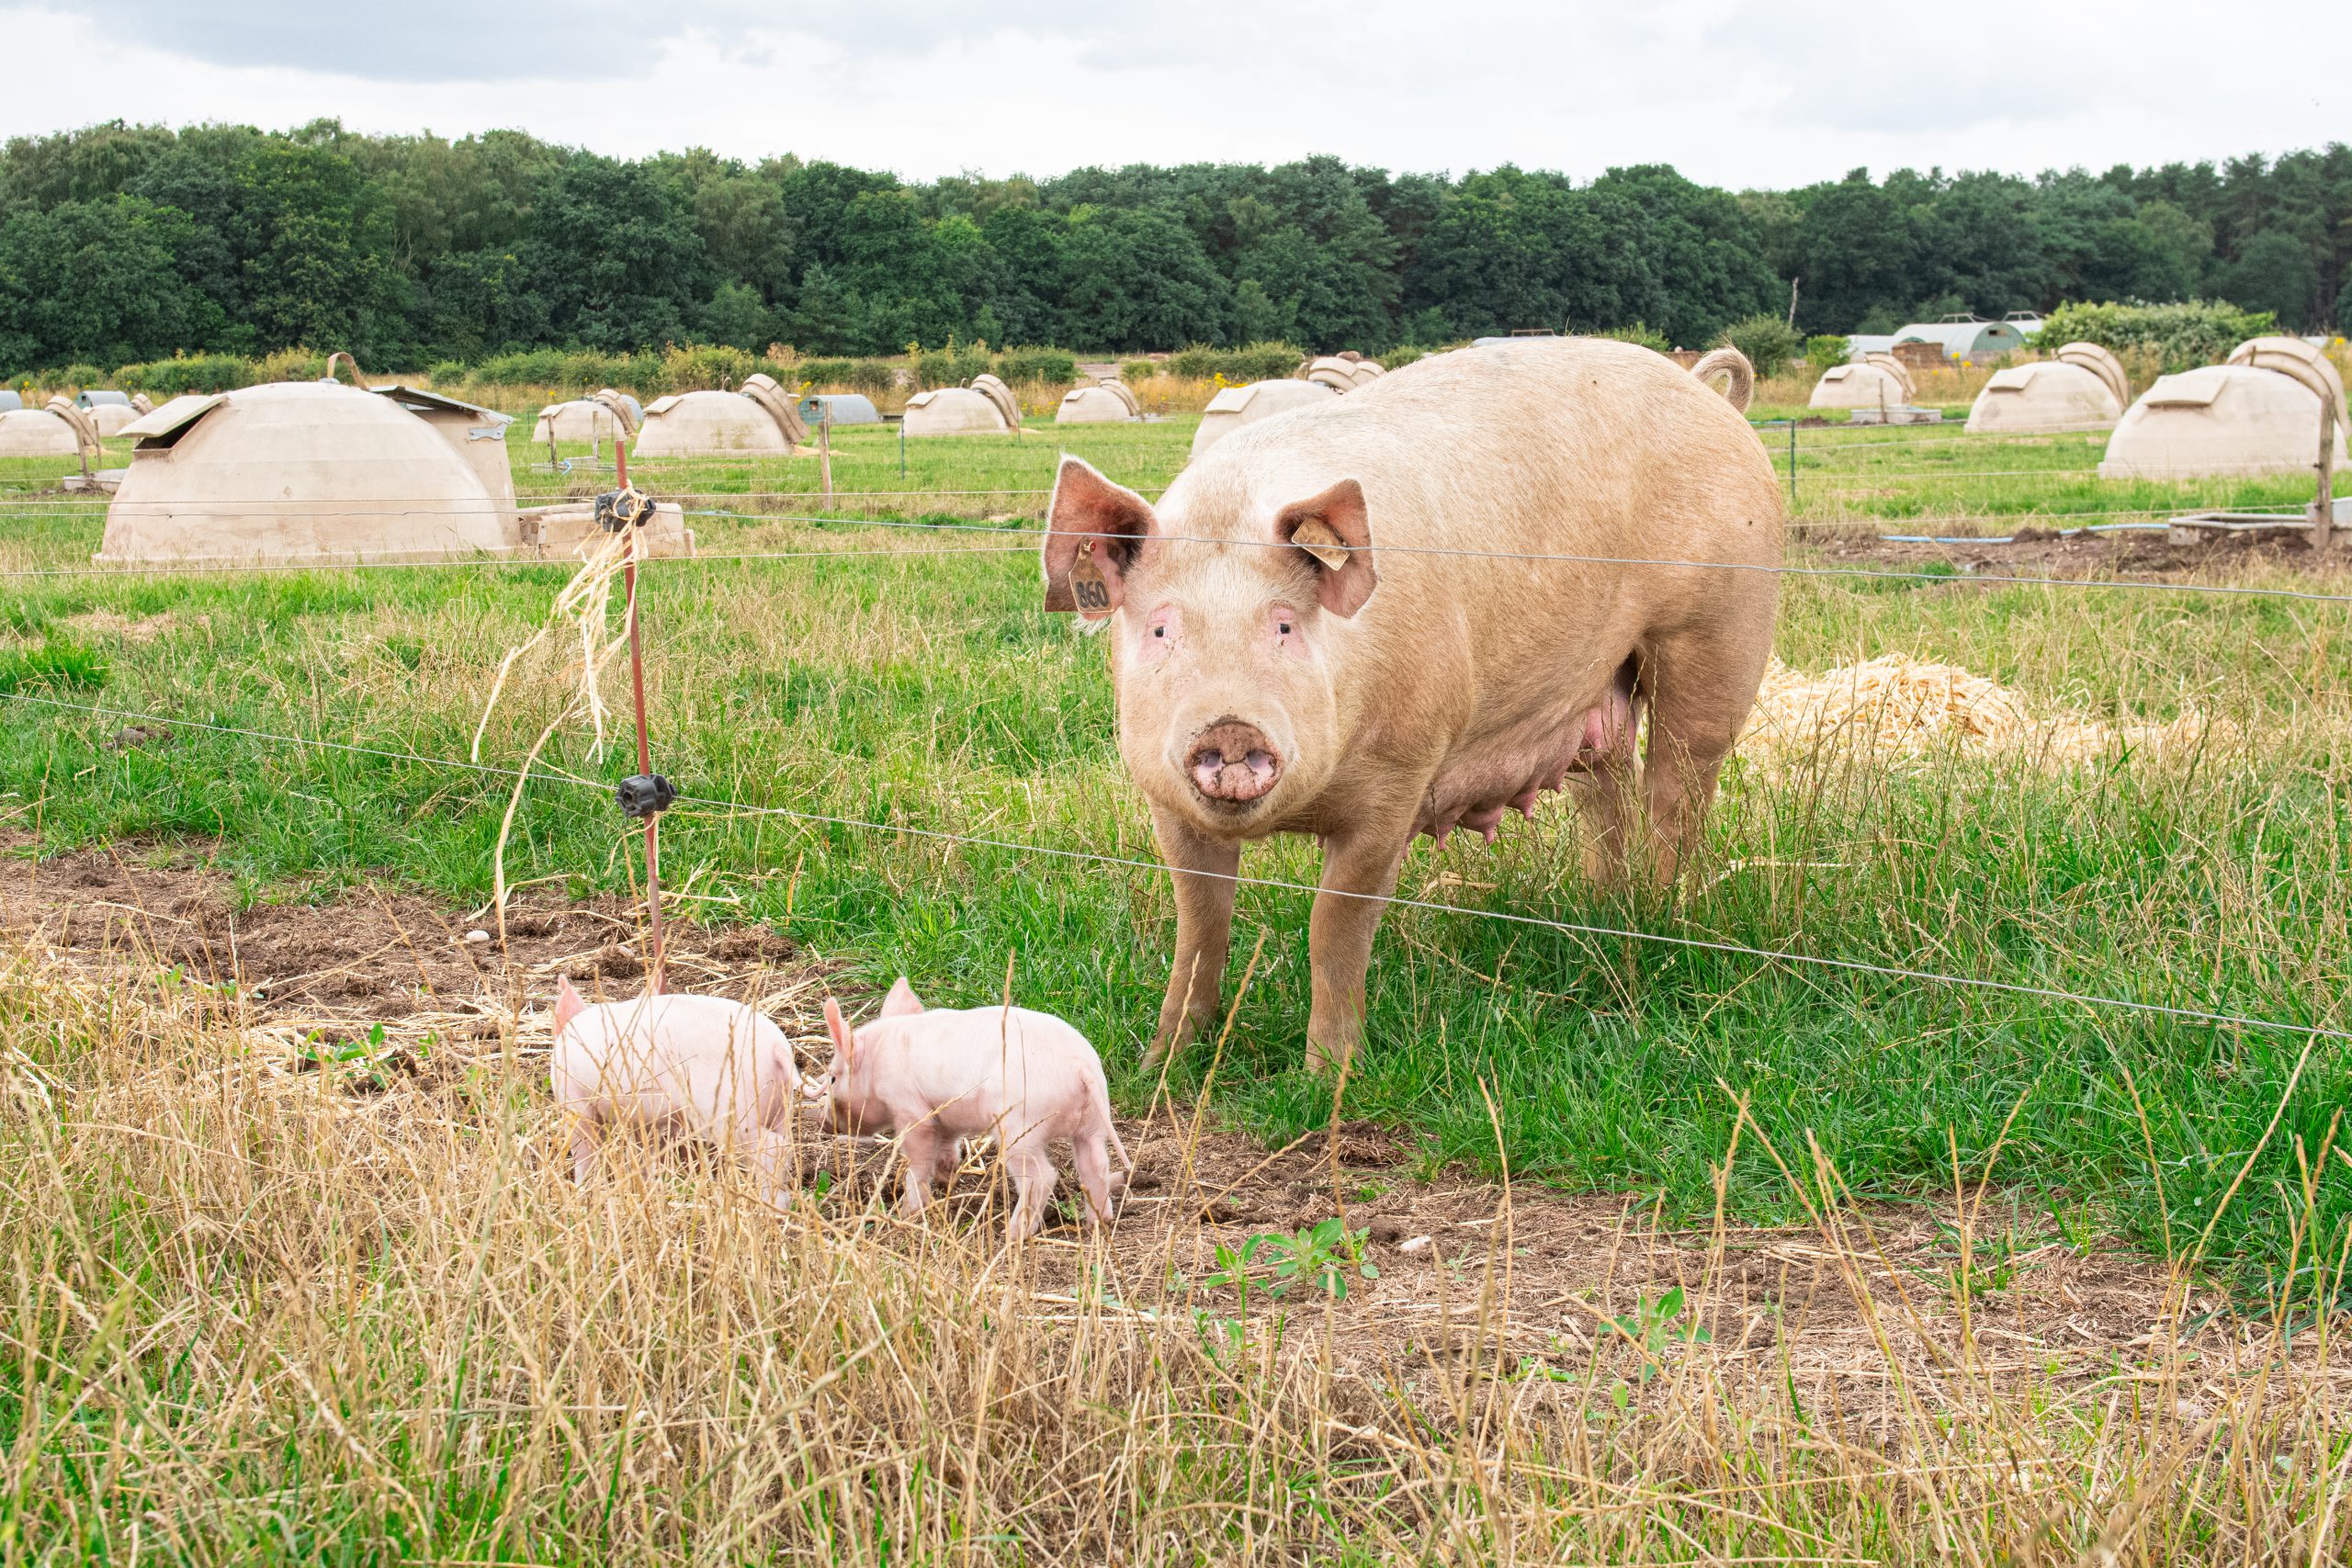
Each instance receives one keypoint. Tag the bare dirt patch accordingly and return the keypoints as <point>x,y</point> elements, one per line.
<point>1476,1283</point>
<point>2041,551</point>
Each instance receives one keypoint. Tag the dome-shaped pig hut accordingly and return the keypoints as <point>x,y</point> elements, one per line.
<point>601,417</point>
<point>109,411</point>
<point>319,472</point>
<point>2084,387</point>
<point>60,429</point>
<point>985,408</point>
<point>1103,403</point>
<point>1881,380</point>
<point>2257,414</point>
<point>313,471</point>
<point>1237,406</point>
<point>758,420</point>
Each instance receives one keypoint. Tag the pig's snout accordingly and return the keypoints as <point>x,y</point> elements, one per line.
<point>1233,762</point>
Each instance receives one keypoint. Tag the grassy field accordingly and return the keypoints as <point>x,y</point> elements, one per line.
<point>915,684</point>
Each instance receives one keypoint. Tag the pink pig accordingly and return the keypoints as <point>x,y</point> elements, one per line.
<point>938,1076</point>
<point>694,1067</point>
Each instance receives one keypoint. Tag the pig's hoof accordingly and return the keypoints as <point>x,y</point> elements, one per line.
<point>1327,1061</point>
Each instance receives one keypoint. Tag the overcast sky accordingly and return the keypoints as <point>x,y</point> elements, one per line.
<point>1732,93</point>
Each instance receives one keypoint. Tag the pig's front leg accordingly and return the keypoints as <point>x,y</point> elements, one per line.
<point>587,1144</point>
<point>1359,873</point>
<point>919,1148</point>
<point>1203,928</point>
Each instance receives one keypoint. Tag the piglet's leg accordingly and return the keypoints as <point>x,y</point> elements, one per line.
<point>919,1148</point>
<point>774,1157</point>
<point>1032,1186</point>
<point>1092,1161</point>
<point>587,1144</point>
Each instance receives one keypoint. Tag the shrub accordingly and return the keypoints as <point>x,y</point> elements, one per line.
<point>294,365</point>
<point>1639,333</point>
<point>1401,355</point>
<point>1826,349</point>
<point>872,376</point>
<point>1048,366</point>
<point>1769,342</point>
<point>2181,337</point>
<point>1135,370</point>
<point>186,373</point>
<point>707,367</point>
<point>1253,362</point>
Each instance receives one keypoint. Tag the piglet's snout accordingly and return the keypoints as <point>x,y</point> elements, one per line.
<point>1233,762</point>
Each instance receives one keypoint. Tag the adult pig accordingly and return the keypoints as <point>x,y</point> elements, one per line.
<point>938,1076</point>
<point>700,1068</point>
<point>1330,625</point>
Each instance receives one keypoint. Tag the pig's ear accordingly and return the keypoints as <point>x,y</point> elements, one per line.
<point>1106,523</point>
<point>902,1000</point>
<point>568,1004</point>
<point>1333,530</point>
<point>844,1042</point>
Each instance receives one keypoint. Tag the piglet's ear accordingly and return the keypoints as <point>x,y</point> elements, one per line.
<point>1104,523</point>
<point>844,1042</point>
<point>1333,530</point>
<point>902,1000</point>
<point>568,1004</point>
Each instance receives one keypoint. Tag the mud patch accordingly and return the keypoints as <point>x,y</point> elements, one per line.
<point>2038,550</point>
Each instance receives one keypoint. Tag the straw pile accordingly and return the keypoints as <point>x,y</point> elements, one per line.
<point>1901,706</point>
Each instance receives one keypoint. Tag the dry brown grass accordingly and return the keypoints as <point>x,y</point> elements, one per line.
<point>257,1315</point>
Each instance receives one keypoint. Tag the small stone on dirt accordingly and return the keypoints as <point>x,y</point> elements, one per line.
<point>477,935</point>
<point>1415,1244</point>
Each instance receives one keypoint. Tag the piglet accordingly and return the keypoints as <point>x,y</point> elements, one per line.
<point>937,1076</point>
<point>693,1067</point>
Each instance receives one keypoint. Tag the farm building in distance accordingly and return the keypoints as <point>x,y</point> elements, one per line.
<point>1968,339</point>
<point>2257,414</point>
<point>319,471</point>
<point>2083,388</point>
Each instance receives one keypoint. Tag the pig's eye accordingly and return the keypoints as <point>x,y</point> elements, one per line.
<point>1162,631</point>
<point>1285,628</point>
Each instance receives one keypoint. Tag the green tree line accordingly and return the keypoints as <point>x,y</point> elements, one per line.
<point>122,242</point>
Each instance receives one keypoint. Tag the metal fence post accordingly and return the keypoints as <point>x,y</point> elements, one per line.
<point>2324,504</point>
<point>1793,464</point>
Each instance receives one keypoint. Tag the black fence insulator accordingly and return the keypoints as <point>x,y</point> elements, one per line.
<point>619,509</point>
<point>645,794</point>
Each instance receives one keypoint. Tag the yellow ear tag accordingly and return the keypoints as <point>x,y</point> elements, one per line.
<point>1086,582</point>
<point>1319,539</point>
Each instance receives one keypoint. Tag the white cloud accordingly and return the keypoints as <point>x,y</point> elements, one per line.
<point>1731,93</point>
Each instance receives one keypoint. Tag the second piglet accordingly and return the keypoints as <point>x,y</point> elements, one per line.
<point>939,1074</point>
<point>691,1068</point>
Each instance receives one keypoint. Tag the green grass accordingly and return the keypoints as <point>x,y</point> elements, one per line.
<point>928,691</point>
